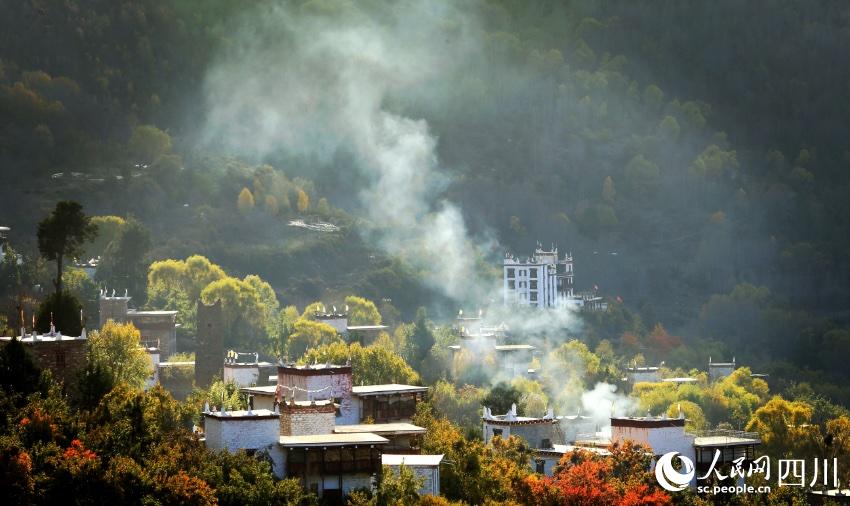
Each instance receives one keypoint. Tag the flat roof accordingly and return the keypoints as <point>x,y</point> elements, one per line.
<point>519,420</point>
<point>366,327</point>
<point>133,312</point>
<point>713,441</point>
<point>246,365</point>
<point>262,390</point>
<point>571,418</point>
<point>514,347</point>
<point>562,449</point>
<point>28,339</point>
<point>411,460</point>
<point>390,388</point>
<point>679,380</point>
<point>380,428</point>
<point>646,422</point>
<point>176,364</point>
<point>357,438</point>
<point>312,369</point>
<point>257,414</point>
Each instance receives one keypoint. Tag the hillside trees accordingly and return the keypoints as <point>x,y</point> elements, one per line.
<point>124,262</point>
<point>62,235</point>
<point>148,143</point>
<point>370,365</point>
<point>250,304</point>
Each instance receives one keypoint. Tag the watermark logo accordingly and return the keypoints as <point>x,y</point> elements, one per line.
<point>668,477</point>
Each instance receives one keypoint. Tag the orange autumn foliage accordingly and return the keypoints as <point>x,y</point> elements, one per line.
<point>78,451</point>
<point>661,340</point>
<point>586,479</point>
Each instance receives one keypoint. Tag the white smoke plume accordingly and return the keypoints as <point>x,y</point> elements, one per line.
<point>315,82</point>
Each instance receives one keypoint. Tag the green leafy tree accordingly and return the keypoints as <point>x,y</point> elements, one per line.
<point>371,365</point>
<point>116,349</point>
<point>423,337</point>
<point>108,229</point>
<point>249,307</point>
<point>64,310</point>
<point>307,335</point>
<point>362,311</point>
<point>643,176</point>
<point>94,381</point>
<point>18,373</point>
<point>501,397</point>
<point>785,428</point>
<point>149,143</point>
<point>63,234</point>
<point>462,406</point>
<point>225,394</point>
<point>85,290</point>
<point>124,263</point>
<point>398,488</point>
<point>177,285</point>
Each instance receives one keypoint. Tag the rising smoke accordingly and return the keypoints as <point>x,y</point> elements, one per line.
<point>316,82</point>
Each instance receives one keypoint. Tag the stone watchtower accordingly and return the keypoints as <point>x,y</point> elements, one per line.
<point>209,353</point>
<point>113,308</point>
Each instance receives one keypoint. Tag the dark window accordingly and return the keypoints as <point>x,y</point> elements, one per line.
<point>545,443</point>
<point>533,272</point>
<point>497,432</point>
<point>510,273</point>
<point>60,359</point>
<point>511,284</point>
<point>534,284</point>
<point>540,466</point>
<point>534,296</point>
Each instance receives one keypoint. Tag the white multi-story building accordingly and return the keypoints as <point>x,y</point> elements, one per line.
<point>543,280</point>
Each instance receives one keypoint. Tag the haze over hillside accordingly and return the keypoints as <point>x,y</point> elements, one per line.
<point>690,156</point>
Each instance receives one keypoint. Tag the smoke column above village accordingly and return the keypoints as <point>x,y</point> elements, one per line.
<point>315,84</point>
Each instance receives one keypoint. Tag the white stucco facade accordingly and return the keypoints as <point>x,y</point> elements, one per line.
<point>239,430</point>
<point>543,280</point>
<point>661,435</point>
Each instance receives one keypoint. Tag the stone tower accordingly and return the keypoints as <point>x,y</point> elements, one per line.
<point>209,351</point>
<point>113,308</point>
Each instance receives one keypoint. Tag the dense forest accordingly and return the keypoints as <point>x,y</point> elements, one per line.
<point>688,154</point>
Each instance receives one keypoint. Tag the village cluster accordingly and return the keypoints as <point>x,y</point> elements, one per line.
<point>316,425</point>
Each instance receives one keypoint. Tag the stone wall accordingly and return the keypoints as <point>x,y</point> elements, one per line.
<point>63,358</point>
<point>298,420</point>
<point>532,433</point>
<point>156,329</point>
<point>113,308</point>
<point>209,355</point>
<point>333,382</point>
